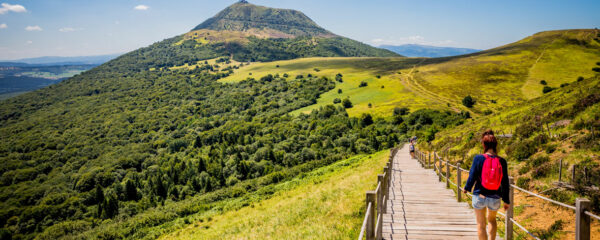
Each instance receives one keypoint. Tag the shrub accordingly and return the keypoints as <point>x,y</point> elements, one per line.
<point>397,119</point>
<point>487,112</point>
<point>339,91</point>
<point>580,78</point>
<point>543,82</point>
<point>337,100</point>
<point>465,114</point>
<point>538,161</point>
<point>541,139</point>
<point>370,105</point>
<point>524,169</point>
<point>338,77</point>
<point>521,150</point>
<point>596,69</point>
<point>550,148</point>
<point>541,171</point>
<point>564,85</point>
<point>366,120</point>
<point>526,130</point>
<point>585,102</point>
<point>285,75</point>
<point>523,182</point>
<point>363,84</point>
<point>547,89</point>
<point>398,111</point>
<point>347,103</point>
<point>468,101</point>
<point>378,76</point>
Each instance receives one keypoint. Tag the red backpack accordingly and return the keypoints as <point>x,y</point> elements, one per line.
<point>491,173</point>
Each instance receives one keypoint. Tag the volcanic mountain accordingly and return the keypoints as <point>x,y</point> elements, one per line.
<point>249,33</point>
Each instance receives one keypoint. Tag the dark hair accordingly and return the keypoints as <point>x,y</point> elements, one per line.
<point>489,141</point>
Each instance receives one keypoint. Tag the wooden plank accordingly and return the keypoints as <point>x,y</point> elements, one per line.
<point>421,207</point>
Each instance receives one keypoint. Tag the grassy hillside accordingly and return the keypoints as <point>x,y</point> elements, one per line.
<point>383,92</point>
<point>562,124</point>
<point>332,196</point>
<point>496,78</point>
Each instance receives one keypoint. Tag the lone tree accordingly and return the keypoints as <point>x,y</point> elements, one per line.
<point>468,101</point>
<point>347,103</point>
<point>547,89</point>
<point>366,119</point>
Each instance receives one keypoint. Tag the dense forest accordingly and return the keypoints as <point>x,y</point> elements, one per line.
<point>112,143</point>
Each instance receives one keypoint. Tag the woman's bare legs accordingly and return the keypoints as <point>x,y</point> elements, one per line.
<point>480,216</point>
<point>491,218</point>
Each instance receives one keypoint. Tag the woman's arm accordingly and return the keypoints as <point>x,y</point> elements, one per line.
<point>472,174</point>
<point>505,185</point>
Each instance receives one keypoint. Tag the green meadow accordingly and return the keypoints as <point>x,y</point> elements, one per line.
<point>497,78</point>
<point>327,203</point>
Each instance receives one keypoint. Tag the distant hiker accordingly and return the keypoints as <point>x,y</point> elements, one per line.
<point>411,147</point>
<point>489,175</point>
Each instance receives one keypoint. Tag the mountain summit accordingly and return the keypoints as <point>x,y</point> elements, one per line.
<point>246,17</point>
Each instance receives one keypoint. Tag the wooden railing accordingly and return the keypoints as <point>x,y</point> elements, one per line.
<point>376,203</point>
<point>582,207</point>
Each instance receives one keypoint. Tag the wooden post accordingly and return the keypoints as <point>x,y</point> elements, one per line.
<point>582,220</point>
<point>379,194</point>
<point>429,160</point>
<point>386,183</point>
<point>447,175</point>
<point>585,175</point>
<point>560,170</point>
<point>458,181</point>
<point>370,231</point>
<point>573,175</point>
<point>440,169</point>
<point>508,226</point>
<point>434,160</point>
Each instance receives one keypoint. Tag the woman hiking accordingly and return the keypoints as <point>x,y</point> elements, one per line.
<point>489,177</point>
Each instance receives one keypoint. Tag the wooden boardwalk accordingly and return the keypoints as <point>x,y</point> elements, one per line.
<point>421,207</point>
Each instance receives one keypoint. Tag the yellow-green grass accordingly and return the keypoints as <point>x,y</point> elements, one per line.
<point>384,93</point>
<point>506,75</point>
<point>511,73</point>
<point>560,65</point>
<point>327,203</point>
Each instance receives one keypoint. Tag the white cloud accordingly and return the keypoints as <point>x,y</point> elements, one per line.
<point>141,7</point>
<point>29,42</point>
<point>69,29</point>
<point>33,28</point>
<point>3,26</point>
<point>12,8</point>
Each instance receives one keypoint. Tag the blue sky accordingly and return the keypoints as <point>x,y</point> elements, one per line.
<point>32,28</point>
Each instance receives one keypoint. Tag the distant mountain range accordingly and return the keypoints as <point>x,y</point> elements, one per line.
<point>54,60</point>
<point>417,50</point>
